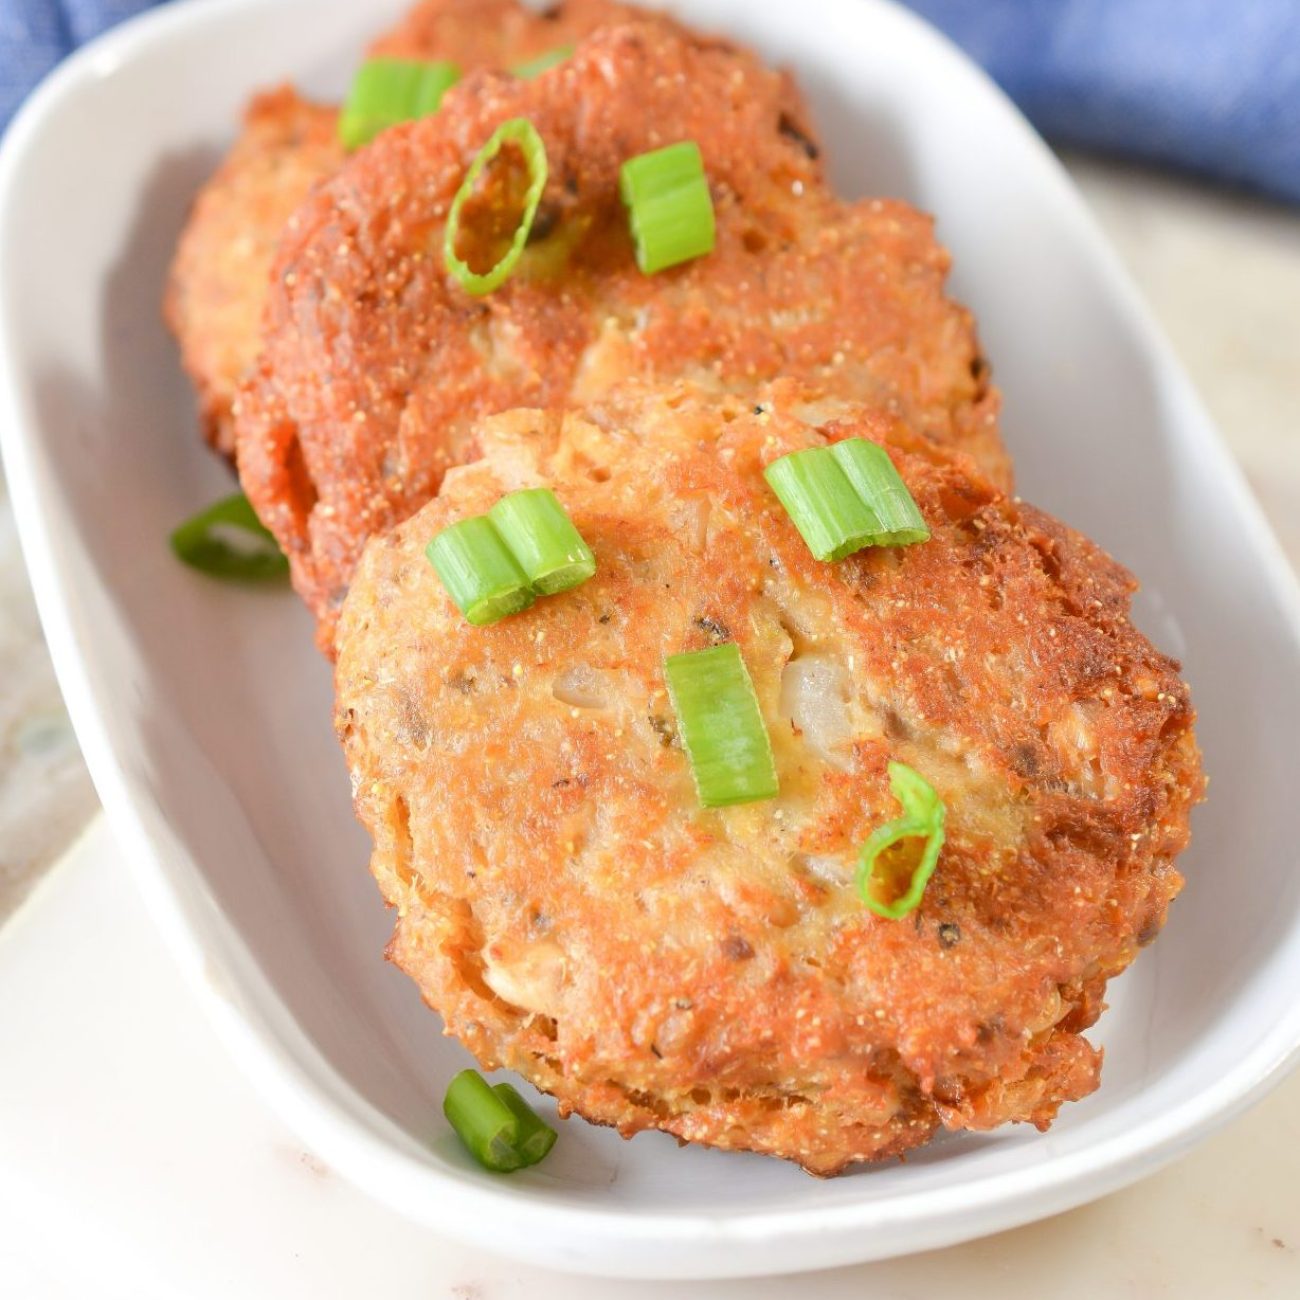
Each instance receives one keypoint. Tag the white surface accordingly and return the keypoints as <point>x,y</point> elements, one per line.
<point>236,818</point>
<point>136,1163</point>
<point>45,794</point>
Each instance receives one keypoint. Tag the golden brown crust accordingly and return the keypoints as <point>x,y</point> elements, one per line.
<point>219,279</point>
<point>217,285</point>
<point>574,915</point>
<point>377,365</point>
<point>498,33</point>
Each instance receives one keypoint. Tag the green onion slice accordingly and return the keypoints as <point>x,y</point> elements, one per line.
<point>874,478</point>
<point>227,540</point>
<point>535,1138</point>
<point>541,536</point>
<point>497,564</point>
<point>669,206</point>
<point>844,497</point>
<point>816,493</point>
<point>531,68</point>
<point>479,571</point>
<point>721,726</point>
<point>923,818</point>
<point>387,91</point>
<point>497,1126</point>
<point>520,131</point>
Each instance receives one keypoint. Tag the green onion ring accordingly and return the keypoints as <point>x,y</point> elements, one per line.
<point>923,818</point>
<point>524,133</point>
<point>199,543</point>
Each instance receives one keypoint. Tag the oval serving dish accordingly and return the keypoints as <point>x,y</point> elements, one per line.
<point>204,712</point>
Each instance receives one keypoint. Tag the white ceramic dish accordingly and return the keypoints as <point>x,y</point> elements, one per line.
<point>204,712</point>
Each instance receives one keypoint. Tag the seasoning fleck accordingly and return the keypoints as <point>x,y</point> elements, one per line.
<point>737,948</point>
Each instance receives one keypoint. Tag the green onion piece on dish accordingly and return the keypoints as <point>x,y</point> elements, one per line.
<point>874,478</point>
<point>484,1121</point>
<point>844,497</point>
<point>670,209</point>
<point>536,1137</point>
<point>387,91</point>
<point>479,571</point>
<point>531,68</point>
<point>497,1126</point>
<point>923,818</point>
<point>227,540</point>
<point>721,726</point>
<point>519,131</point>
<point>541,536</point>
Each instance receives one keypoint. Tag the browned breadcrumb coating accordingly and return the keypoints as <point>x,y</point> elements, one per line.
<point>377,365</point>
<point>573,914</point>
<point>217,285</point>
<point>219,278</point>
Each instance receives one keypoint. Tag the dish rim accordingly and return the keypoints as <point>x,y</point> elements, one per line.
<point>456,1201</point>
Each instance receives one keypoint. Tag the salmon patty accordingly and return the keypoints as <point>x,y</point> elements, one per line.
<point>218,282</point>
<point>571,911</point>
<point>377,365</point>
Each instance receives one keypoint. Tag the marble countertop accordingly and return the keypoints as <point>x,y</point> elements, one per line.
<point>1222,274</point>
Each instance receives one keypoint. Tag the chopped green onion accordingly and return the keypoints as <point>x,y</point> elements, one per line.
<point>498,563</point>
<point>531,68</point>
<point>816,493</point>
<point>536,1137</point>
<point>387,91</point>
<point>484,1121</point>
<point>546,546</point>
<point>522,132</point>
<point>670,209</point>
<point>721,726</point>
<point>874,478</point>
<point>227,540</point>
<point>479,572</point>
<point>497,1126</point>
<point>844,497</point>
<point>923,818</point>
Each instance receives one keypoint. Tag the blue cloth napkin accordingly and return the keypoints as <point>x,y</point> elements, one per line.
<point>1210,86</point>
<point>1207,86</point>
<point>36,34</point>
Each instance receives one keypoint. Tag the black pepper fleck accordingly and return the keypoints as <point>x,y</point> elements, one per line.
<point>717,631</point>
<point>663,729</point>
<point>793,131</point>
<point>544,223</point>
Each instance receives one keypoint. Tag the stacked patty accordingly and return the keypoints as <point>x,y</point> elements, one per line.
<point>563,900</point>
<point>575,915</point>
<point>219,279</point>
